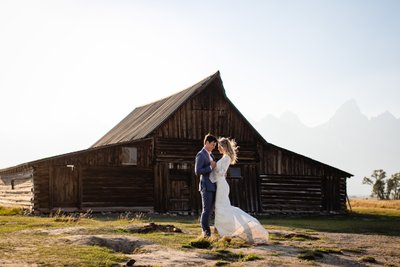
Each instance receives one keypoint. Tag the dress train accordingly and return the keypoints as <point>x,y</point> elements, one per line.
<point>229,220</point>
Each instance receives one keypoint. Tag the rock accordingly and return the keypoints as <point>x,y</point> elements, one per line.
<point>130,262</point>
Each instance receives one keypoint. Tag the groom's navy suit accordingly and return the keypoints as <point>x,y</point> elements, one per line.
<point>206,188</point>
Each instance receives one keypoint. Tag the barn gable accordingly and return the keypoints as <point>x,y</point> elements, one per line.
<point>188,115</point>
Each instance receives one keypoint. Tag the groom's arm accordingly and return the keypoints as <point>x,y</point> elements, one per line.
<point>200,165</point>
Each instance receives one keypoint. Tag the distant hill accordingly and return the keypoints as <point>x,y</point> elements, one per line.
<point>349,141</point>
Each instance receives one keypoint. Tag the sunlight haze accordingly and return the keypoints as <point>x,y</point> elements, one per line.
<point>71,70</point>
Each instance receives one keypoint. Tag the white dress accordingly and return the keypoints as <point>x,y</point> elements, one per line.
<point>229,220</point>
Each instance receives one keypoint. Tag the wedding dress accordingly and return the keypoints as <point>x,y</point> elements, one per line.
<point>229,220</point>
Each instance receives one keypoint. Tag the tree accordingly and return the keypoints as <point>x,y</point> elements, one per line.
<point>377,180</point>
<point>393,186</point>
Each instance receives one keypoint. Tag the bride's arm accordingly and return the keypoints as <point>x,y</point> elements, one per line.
<point>221,169</point>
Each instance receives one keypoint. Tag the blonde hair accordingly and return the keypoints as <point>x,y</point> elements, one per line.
<point>230,147</point>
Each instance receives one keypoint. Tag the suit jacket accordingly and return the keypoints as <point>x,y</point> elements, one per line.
<point>203,168</point>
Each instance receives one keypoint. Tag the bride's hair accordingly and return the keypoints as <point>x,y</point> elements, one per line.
<point>230,148</point>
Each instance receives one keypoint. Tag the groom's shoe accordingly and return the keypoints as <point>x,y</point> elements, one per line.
<point>206,234</point>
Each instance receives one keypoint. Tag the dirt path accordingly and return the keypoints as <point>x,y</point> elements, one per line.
<point>338,249</point>
<point>283,250</point>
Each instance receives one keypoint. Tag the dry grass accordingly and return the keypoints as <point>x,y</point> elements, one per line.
<point>376,207</point>
<point>374,203</point>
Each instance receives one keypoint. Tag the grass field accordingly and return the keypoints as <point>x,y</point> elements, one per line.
<point>376,207</point>
<point>367,216</point>
<point>29,239</point>
<point>373,203</point>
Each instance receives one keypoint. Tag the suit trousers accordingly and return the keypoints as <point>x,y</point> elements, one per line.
<point>207,199</point>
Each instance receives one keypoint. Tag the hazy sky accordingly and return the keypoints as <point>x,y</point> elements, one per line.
<point>71,70</point>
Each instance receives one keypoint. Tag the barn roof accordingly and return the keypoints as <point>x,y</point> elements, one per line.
<point>145,119</point>
<point>142,121</point>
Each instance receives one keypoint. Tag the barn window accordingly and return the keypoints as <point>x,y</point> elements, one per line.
<point>235,172</point>
<point>183,166</point>
<point>178,166</point>
<point>129,156</point>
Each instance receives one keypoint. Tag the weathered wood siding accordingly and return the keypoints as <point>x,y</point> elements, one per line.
<point>294,183</point>
<point>334,194</point>
<point>209,111</point>
<point>16,187</point>
<point>117,187</point>
<point>280,193</point>
<point>176,185</point>
<point>95,178</point>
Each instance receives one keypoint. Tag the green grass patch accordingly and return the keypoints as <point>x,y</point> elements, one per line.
<point>251,257</point>
<point>10,211</point>
<point>353,250</point>
<point>202,243</point>
<point>225,255</point>
<point>223,243</point>
<point>292,237</point>
<point>359,222</point>
<point>377,211</point>
<point>48,250</point>
<point>172,240</point>
<point>221,263</point>
<point>329,250</point>
<point>78,256</point>
<point>369,259</point>
<point>119,231</point>
<point>11,224</point>
<point>310,255</point>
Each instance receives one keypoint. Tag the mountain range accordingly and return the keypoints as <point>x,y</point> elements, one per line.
<point>349,141</point>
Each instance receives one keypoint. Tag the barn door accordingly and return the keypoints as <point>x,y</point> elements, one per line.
<point>65,181</point>
<point>331,194</point>
<point>237,192</point>
<point>179,188</point>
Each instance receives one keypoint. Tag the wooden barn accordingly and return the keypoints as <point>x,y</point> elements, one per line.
<point>146,163</point>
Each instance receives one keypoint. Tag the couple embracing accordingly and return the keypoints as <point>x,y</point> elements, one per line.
<point>229,221</point>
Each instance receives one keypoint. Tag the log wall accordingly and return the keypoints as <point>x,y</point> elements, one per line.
<point>95,170</point>
<point>292,194</point>
<point>117,187</point>
<point>16,188</point>
<point>294,183</point>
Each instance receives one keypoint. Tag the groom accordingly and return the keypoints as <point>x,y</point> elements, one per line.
<point>203,166</point>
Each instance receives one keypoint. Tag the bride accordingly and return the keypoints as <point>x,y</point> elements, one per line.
<point>231,221</point>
